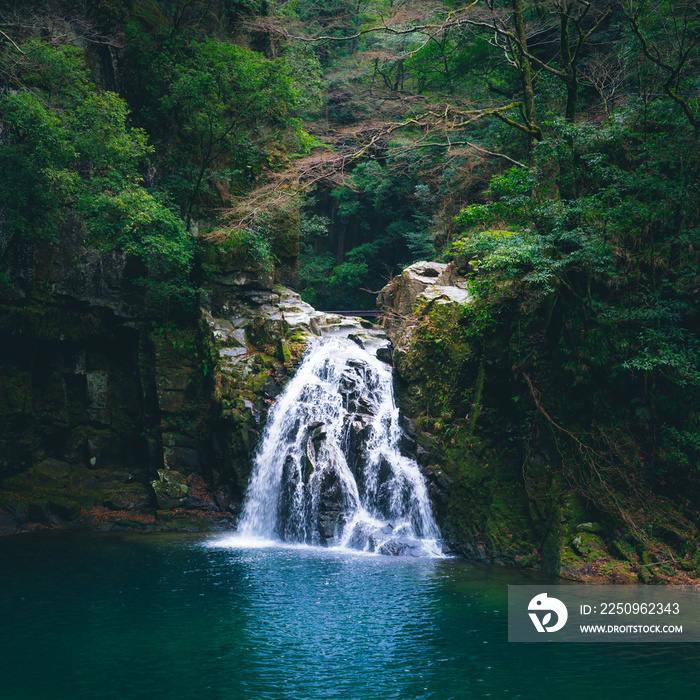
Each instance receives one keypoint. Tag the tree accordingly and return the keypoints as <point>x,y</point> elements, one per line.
<point>668,35</point>
<point>221,115</point>
<point>67,150</point>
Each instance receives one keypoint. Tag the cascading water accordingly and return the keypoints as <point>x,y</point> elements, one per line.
<point>329,470</point>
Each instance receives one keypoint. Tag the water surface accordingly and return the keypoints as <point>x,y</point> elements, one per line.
<point>125,617</point>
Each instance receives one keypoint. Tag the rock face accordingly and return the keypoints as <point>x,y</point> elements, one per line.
<point>113,414</point>
<point>412,295</point>
<point>444,363</point>
<point>483,508</point>
<point>401,293</point>
<point>503,490</point>
<point>90,390</point>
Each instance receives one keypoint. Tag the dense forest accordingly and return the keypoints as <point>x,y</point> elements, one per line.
<point>546,149</point>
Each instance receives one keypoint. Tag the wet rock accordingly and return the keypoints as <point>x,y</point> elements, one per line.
<point>408,444</point>
<point>374,341</point>
<point>385,353</point>
<point>332,505</point>
<point>271,389</point>
<point>401,547</point>
<point>357,431</point>
<point>290,481</point>
<point>353,387</point>
<point>362,538</point>
<point>422,456</point>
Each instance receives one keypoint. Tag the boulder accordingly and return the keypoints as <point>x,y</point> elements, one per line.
<point>51,470</point>
<point>422,289</point>
<point>170,489</point>
<point>401,293</point>
<point>401,547</point>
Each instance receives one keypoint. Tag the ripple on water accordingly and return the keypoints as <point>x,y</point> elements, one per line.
<point>193,618</point>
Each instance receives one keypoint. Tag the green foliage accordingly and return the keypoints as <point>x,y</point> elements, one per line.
<point>606,222</point>
<point>386,221</point>
<point>137,223</point>
<point>68,149</point>
<point>314,267</point>
<point>36,158</point>
<point>221,115</point>
<point>511,200</point>
<point>510,252</point>
<point>249,248</point>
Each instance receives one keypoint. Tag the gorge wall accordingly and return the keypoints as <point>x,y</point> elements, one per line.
<point>511,483</point>
<point>118,413</point>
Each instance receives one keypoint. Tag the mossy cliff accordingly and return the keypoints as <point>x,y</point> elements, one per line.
<point>118,412</point>
<point>512,483</point>
<point>105,399</point>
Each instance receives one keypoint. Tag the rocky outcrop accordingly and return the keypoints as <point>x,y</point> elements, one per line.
<point>113,415</point>
<point>400,295</point>
<point>411,296</point>
<point>485,509</point>
<point>502,490</point>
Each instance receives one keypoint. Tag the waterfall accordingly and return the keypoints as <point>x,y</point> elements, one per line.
<point>329,471</point>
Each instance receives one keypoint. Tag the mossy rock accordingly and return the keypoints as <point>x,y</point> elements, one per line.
<point>170,489</point>
<point>589,546</point>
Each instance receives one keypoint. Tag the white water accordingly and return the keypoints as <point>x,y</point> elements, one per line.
<point>329,471</point>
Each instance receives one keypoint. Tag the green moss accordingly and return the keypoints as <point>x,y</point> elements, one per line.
<point>487,508</point>
<point>285,352</point>
<point>589,546</point>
